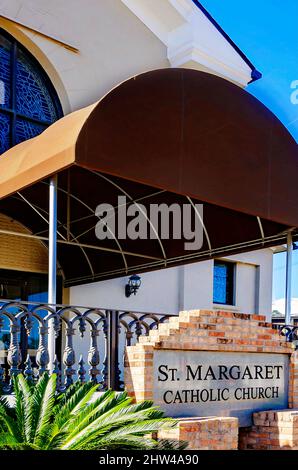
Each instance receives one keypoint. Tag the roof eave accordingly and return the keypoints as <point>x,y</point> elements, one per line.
<point>255,74</point>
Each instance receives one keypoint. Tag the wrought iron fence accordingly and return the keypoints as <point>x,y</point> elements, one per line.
<point>289,331</point>
<point>108,330</point>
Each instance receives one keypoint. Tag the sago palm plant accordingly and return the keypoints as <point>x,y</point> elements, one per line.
<point>77,419</point>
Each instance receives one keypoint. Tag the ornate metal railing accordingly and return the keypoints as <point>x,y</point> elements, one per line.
<point>289,331</point>
<point>108,330</point>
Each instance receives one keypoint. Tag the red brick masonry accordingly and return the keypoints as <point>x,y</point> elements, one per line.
<point>212,433</point>
<point>272,430</point>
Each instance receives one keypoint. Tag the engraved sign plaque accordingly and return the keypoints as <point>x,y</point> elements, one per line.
<point>207,383</point>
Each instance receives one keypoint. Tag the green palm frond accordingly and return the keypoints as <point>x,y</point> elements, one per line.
<point>138,430</point>
<point>26,392</point>
<point>11,426</point>
<point>8,443</point>
<point>127,443</point>
<point>124,413</point>
<point>35,405</point>
<point>105,424</point>
<point>4,404</point>
<point>19,409</point>
<point>41,418</point>
<point>46,410</point>
<point>65,395</point>
<point>76,401</point>
<point>98,421</point>
<point>56,441</point>
<point>107,401</point>
<point>86,392</point>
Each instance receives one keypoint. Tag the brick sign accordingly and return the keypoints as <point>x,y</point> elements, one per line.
<point>206,383</point>
<point>224,366</point>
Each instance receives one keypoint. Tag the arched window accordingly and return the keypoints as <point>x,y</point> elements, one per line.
<point>28,101</point>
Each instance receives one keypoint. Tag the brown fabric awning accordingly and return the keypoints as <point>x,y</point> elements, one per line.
<point>162,136</point>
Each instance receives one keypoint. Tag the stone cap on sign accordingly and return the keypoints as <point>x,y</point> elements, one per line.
<point>276,418</point>
<point>215,330</point>
<point>206,433</point>
<point>271,430</point>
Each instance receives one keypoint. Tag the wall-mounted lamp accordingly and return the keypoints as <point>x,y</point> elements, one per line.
<point>133,285</point>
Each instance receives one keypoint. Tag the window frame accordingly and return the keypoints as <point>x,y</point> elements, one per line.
<point>11,110</point>
<point>231,282</point>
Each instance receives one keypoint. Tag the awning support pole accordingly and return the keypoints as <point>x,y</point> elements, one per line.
<point>52,279</point>
<point>288,302</point>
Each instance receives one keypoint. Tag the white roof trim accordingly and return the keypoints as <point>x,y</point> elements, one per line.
<point>192,40</point>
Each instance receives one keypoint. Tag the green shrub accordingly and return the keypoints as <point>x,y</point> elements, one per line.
<point>42,419</point>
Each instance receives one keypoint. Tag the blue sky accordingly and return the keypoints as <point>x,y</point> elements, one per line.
<point>267,32</point>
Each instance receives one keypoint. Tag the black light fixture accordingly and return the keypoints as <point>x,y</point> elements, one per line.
<point>133,285</point>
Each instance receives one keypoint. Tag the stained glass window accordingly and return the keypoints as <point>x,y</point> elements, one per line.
<point>27,129</point>
<point>223,283</point>
<point>28,101</point>
<point>5,72</point>
<point>5,123</point>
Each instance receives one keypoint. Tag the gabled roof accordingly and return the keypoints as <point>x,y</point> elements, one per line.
<point>255,74</point>
<point>194,39</point>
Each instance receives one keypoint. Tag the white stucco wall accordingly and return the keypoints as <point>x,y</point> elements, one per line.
<point>246,277</point>
<point>180,288</point>
<point>113,44</point>
<point>186,287</point>
<point>116,39</point>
